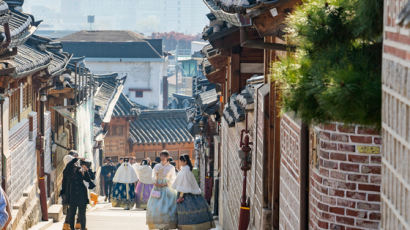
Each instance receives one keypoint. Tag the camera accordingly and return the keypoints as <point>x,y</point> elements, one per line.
<point>86,163</point>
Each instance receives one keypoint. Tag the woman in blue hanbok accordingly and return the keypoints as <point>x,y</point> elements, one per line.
<point>123,194</point>
<point>192,209</point>
<point>161,207</point>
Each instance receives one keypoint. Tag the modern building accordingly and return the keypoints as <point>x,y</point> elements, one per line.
<point>126,53</point>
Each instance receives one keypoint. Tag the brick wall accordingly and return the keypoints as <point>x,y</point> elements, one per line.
<point>396,121</point>
<point>345,184</point>
<point>289,197</point>
<point>23,160</point>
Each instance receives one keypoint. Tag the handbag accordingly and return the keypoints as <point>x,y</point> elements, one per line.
<point>156,194</point>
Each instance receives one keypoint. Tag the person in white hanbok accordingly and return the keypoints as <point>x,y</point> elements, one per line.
<point>161,207</point>
<point>123,194</point>
<point>192,209</point>
<point>145,184</point>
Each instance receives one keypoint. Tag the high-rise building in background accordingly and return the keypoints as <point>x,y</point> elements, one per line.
<point>185,16</point>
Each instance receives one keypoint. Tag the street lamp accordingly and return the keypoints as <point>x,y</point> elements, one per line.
<point>244,155</point>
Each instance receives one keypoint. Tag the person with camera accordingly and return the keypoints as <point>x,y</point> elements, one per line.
<point>78,192</point>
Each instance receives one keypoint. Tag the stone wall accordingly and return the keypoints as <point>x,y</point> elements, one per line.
<point>23,159</point>
<point>396,121</point>
<point>289,198</point>
<point>345,178</point>
<point>231,177</point>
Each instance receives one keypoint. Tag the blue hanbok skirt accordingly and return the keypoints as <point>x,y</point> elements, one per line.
<point>194,214</point>
<point>123,195</point>
<point>162,211</point>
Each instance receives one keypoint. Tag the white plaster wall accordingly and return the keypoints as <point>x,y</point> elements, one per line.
<point>141,74</point>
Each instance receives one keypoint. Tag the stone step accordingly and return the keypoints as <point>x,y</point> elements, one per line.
<point>43,225</point>
<point>55,212</point>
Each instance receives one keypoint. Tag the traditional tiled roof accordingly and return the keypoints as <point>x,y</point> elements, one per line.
<point>234,111</point>
<point>160,127</point>
<point>240,6</point>
<point>22,26</point>
<point>206,104</point>
<point>4,12</point>
<point>112,44</point>
<point>126,108</point>
<point>107,95</point>
<point>29,60</point>
<point>180,101</point>
<point>59,58</point>
<point>222,13</point>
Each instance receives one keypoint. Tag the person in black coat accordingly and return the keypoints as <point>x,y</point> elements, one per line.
<point>77,194</point>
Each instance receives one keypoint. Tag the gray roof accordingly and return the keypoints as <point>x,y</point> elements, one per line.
<point>160,127</point>
<point>112,44</point>
<point>126,108</point>
<point>240,6</point>
<point>29,60</point>
<point>103,36</point>
<point>107,95</point>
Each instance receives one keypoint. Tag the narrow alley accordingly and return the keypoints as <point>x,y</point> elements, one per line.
<point>190,114</point>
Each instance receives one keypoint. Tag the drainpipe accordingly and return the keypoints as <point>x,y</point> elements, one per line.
<point>304,177</point>
<point>40,144</point>
<point>3,158</point>
<point>258,44</point>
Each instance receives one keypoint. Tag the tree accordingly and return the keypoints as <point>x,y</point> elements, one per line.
<point>335,75</point>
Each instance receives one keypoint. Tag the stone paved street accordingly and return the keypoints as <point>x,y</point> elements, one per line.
<point>104,217</point>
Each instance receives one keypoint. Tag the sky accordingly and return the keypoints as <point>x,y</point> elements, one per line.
<point>185,16</point>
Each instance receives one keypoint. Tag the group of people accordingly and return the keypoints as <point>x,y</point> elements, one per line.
<point>172,200</point>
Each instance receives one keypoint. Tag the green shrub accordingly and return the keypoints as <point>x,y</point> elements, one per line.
<point>335,75</point>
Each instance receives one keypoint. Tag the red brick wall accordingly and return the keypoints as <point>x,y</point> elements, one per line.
<point>345,185</point>
<point>395,120</point>
<point>289,202</point>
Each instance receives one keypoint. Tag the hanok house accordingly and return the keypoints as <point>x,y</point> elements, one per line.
<point>145,133</point>
<point>127,53</point>
<point>325,176</point>
<point>28,66</point>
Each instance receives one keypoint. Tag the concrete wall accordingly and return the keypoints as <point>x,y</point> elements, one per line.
<point>141,75</point>
<point>396,121</point>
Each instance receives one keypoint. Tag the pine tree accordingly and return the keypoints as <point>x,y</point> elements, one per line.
<point>336,73</point>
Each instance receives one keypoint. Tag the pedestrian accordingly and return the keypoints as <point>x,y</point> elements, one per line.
<point>65,189</point>
<point>119,163</point>
<point>144,185</point>
<point>192,209</point>
<point>161,207</point>
<point>125,180</point>
<point>78,192</point>
<point>107,172</point>
<point>5,211</point>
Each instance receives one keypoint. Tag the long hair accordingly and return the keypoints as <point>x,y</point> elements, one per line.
<point>186,159</point>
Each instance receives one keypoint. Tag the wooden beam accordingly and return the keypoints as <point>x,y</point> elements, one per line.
<point>235,73</point>
<point>271,21</point>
